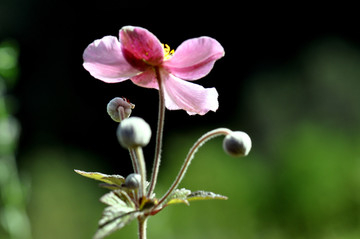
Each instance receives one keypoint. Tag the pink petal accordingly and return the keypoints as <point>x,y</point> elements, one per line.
<point>140,47</point>
<point>104,60</point>
<point>194,58</point>
<point>193,98</point>
<point>146,79</point>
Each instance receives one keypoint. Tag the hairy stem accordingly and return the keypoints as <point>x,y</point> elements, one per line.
<point>134,160</point>
<point>159,134</point>
<point>209,135</point>
<point>142,227</point>
<point>131,151</point>
<point>142,170</point>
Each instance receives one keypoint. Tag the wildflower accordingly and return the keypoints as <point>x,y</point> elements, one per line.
<point>139,56</point>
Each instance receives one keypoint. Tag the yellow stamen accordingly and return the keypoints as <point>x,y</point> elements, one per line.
<point>167,51</point>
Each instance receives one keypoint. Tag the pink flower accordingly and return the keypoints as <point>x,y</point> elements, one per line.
<point>138,53</point>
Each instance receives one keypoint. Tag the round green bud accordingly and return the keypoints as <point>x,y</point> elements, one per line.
<point>113,108</point>
<point>237,144</point>
<point>133,132</point>
<point>132,181</point>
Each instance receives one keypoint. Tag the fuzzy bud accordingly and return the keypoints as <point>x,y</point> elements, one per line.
<point>133,132</point>
<point>113,108</point>
<point>237,144</point>
<point>132,181</point>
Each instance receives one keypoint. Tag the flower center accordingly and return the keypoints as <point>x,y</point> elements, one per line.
<point>167,51</point>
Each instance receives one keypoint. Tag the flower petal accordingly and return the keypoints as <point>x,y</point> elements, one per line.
<point>193,98</point>
<point>194,58</point>
<point>146,79</point>
<point>140,47</point>
<point>104,60</point>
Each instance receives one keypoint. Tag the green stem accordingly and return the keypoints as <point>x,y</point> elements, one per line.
<point>209,135</point>
<point>134,161</point>
<point>131,151</point>
<point>142,227</point>
<point>159,134</point>
<point>142,170</point>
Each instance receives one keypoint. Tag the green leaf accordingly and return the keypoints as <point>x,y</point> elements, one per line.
<point>109,186</point>
<point>185,196</point>
<point>117,198</point>
<point>178,196</point>
<point>202,195</point>
<point>113,180</point>
<point>119,213</point>
<point>113,220</point>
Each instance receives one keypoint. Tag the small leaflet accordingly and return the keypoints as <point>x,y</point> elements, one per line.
<point>119,213</point>
<point>185,196</point>
<point>203,195</point>
<point>117,180</point>
<point>179,196</point>
<point>114,220</point>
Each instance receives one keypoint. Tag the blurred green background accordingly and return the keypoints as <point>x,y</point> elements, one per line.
<point>295,90</point>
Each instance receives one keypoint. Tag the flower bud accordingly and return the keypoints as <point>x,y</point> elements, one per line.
<point>133,132</point>
<point>132,181</point>
<point>113,108</point>
<point>237,144</point>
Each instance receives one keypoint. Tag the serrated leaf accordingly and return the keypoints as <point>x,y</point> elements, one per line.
<point>179,196</point>
<point>202,195</point>
<point>185,196</point>
<point>177,200</point>
<point>109,186</point>
<point>117,198</point>
<point>114,220</point>
<point>120,212</point>
<point>115,180</point>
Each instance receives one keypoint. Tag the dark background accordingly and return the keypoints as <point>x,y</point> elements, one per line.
<point>60,101</point>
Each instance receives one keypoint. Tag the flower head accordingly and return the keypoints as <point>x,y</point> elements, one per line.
<point>138,53</point>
